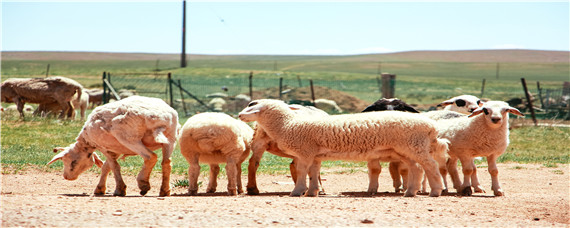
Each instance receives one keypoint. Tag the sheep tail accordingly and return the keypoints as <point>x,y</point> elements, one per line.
<point>79,91</point>
<point>159,136</point>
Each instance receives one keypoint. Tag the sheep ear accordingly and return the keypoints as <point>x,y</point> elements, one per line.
<point>445,103</point>
<point>514,111</point>
<point>410,109</point>
<point>476,112</point>
<point>97,160</point>
<point>57,157</point>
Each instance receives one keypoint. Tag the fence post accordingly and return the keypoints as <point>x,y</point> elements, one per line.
<point>104,99</point>
<point>299,80</point>
<point>170,89</point>
<point>250,85</point>
<point>523,81</point>
<point>483,88</point>
<point>312,92</point>
<point>280,87</point>
<point>47,71</point>
<point>540,94</point>
<point>388,85</point>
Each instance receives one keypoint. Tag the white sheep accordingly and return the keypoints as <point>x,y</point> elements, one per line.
<point>133,126</point>
<point>53,108</point>
<point>217,104</point>
<point>465,104</point>
<point>215,138</point>
<point>485,132</point>
<point>327,105</point>
<point>262,142</point>
<point>360,137</point>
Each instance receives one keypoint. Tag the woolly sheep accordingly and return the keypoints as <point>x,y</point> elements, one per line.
<point>217,104</point>
<point>361,137</point>
<point>41,90</point>
<point>327,105</point>
<point>95,96</point>
<point>463,104</point>
<point>81,103</point>
<point>262,142</point>
<point>479,135</point>
<point>215,138</point>
<point>132,126</point>
<point>13,109</point>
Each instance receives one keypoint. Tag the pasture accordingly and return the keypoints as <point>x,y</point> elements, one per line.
<point>534,151</point>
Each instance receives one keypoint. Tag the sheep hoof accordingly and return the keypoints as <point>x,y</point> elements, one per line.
<point>478,189</point>
<point>499,192</point>
<point>444,191</point>
<point>239,191</point>
<point>232,192</point>
<point>409,194</point>
<point>99,191</point>
<point>143,192</point>
<point>210,190</point>
<point>119,193</point>
<point>252,191</point>
<point>467,191</point>
<point>192,192</point>
<point>164,193</point>
<point>435,193</point>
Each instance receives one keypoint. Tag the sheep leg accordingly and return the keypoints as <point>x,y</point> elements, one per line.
<point>238,180</point>
<point>314,177</point>
<point>431,169</point>
<point>193,173</point>
<point>414,178</point>
<point>394,173</point>
<point>293,170</point>
<point>374,170</point>
<point>252,172</point>
<point>403,171</point>
<point>121,187</point>
<point>19,106</point>
<point>102,185</point>
<point>302,169</point>
<point>213,178</point>
<point>231,172</point>
<point>475,180</point>
<point>166,169</point>
<point>453,173</point>
<point>494,171</point>
<point>467,163</point>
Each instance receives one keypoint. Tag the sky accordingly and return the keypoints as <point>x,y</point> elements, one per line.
<point>283,27</point>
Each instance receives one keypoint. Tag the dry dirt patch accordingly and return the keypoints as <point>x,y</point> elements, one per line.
<point>535,196</point>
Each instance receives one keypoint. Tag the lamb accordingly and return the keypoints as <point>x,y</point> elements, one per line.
<point>465,104</point>
<point>132,126</point>
<point>327,105</point>
<point>479,135</point>
<point>262,142</point>
<point>361,137</point>
<point>217,104</point>
<point>215,138</point>
<point>41,90</point>
<point>81,103</point>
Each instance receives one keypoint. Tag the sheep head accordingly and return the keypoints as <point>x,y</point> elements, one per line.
<point>496,113</point>
<point>75,161</point>
<point>390,104</point>
<point>465,104</point>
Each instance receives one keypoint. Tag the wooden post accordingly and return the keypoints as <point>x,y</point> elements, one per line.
<point>388,85</point>
<point>540,94</point>
<point>182,98</point>
<point>312,92</point>
<point>299,80</point>
<point>280,87</point>
<point>170,89</point>
<point>523,81</point>
<point>47,71</point>
<point>183,54</point>
<point>483,88</point>
<point>250,85</point>
<point>104,98</point>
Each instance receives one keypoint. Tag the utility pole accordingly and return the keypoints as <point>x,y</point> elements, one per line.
<point>183,55</point>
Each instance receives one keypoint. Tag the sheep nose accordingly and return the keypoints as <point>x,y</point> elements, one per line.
<point>495,119</point>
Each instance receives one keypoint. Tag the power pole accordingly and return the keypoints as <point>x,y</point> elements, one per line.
<point>183,55</point>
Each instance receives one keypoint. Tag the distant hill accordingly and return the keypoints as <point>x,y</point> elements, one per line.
<point>519,55</point>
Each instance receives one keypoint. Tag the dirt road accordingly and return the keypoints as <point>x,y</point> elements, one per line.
<point>535,196</point>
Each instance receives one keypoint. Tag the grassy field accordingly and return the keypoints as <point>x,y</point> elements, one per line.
<point>421,80</point>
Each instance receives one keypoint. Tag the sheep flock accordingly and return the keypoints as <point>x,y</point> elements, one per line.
<point>422,148</point>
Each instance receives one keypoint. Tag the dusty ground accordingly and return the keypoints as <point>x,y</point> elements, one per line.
<point>535,196</point>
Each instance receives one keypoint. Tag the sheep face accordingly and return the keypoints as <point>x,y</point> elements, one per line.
<point>496,113</point>
<point>75,162</point>
<point>465,104</point>
<point>390,104</point>
<point>255,108</point>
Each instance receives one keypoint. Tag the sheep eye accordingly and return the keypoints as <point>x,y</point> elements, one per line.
<point>252,104</point>
<point>486,111</point>
<point>460,103</point>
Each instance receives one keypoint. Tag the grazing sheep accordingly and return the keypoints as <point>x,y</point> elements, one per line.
<point>41,90</point>
<point>13,109</point>
<point>217,104</point>
<point>327,105</point>
<point>479,135</point>
<point>52,108</point>
<point>361,137</point>
<point>95,96</point>
<point>215,138</point>
<point>262,142</point>
<point>132,126</point>
<point>463,104</point>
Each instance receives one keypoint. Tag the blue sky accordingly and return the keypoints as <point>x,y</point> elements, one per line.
<point>278,27</point>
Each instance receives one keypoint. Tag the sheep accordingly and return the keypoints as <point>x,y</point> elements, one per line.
<point>327,105</point>
<point>463,104</point>
<point>217,104</point>
<point>13,109</point>
<point>262,142</point>
<point>383,104</point>
<point>132,126</point>
<point>81,103</point>
<point>477,135</point>
<point>95,96</point>
<point>361,137</point>
<point>215,138</point>
<point>41,90</point>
